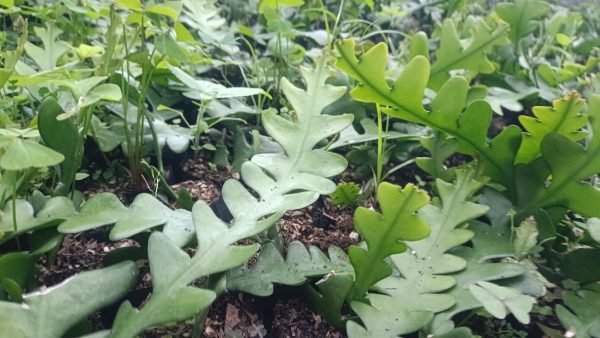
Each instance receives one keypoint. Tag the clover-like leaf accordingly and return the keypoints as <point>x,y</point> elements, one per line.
<point>24,154</point>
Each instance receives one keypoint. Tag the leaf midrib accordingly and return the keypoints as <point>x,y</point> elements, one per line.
<point>417,116</point>
<point>563,118</point>
<point>374,252</point>
<point>553,191</point>
<point>435,70</point>
<point>456,199</point>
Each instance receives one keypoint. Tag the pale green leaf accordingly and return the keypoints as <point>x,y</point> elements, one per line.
<point>207,90</point>
<point>175,137</point>
<point>47,57</point>
<point>82,87</point>
<point>182,33</point>
<point>298,265</point>
<point>382,318</point>
<point>51,312</point>
<point>500,98</point>
<point>26,154</point>
<point>167,46</point>
<point>279,182</point>
<point>407,92</point>
<point>419,45</point>
<point>482,264</point>
<point>105,91</point>
<point>147,212</point>
<point>350,136</point>
<point>102,209</point>
<point>173,299</point>
<point>11,58</point>
<point>499,301</point>
<point>162,9</point>
<point>563,39</point>
<point>53,211</point>
<point>422,288</point>
<point>593,225</point>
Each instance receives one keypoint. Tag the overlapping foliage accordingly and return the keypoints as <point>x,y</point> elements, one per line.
<point>498,103</point>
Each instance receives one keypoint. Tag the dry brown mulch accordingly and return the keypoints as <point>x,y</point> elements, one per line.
<point>234,314</point>
<point>321,224</point>
<point>80,252</point>
<point>295,318</point>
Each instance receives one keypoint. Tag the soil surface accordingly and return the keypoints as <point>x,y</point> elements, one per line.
<point>287,314</point>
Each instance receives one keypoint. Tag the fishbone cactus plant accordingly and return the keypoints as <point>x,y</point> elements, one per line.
<point>53,311</point>
<point>556,164</point>
<point>282,182</point>
<point>432,279</point>
<point>272,184</point>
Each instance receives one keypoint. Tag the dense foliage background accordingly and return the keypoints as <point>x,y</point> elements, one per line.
<point>353,168</point>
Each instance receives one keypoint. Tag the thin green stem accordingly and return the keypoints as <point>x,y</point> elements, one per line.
<point>199,117</point>
<point>326,22</point>
<point>379,144</point>
<point>14,207</point>
<point>337,19</point>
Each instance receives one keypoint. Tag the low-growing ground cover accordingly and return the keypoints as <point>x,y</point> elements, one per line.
<point>293,168</point>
